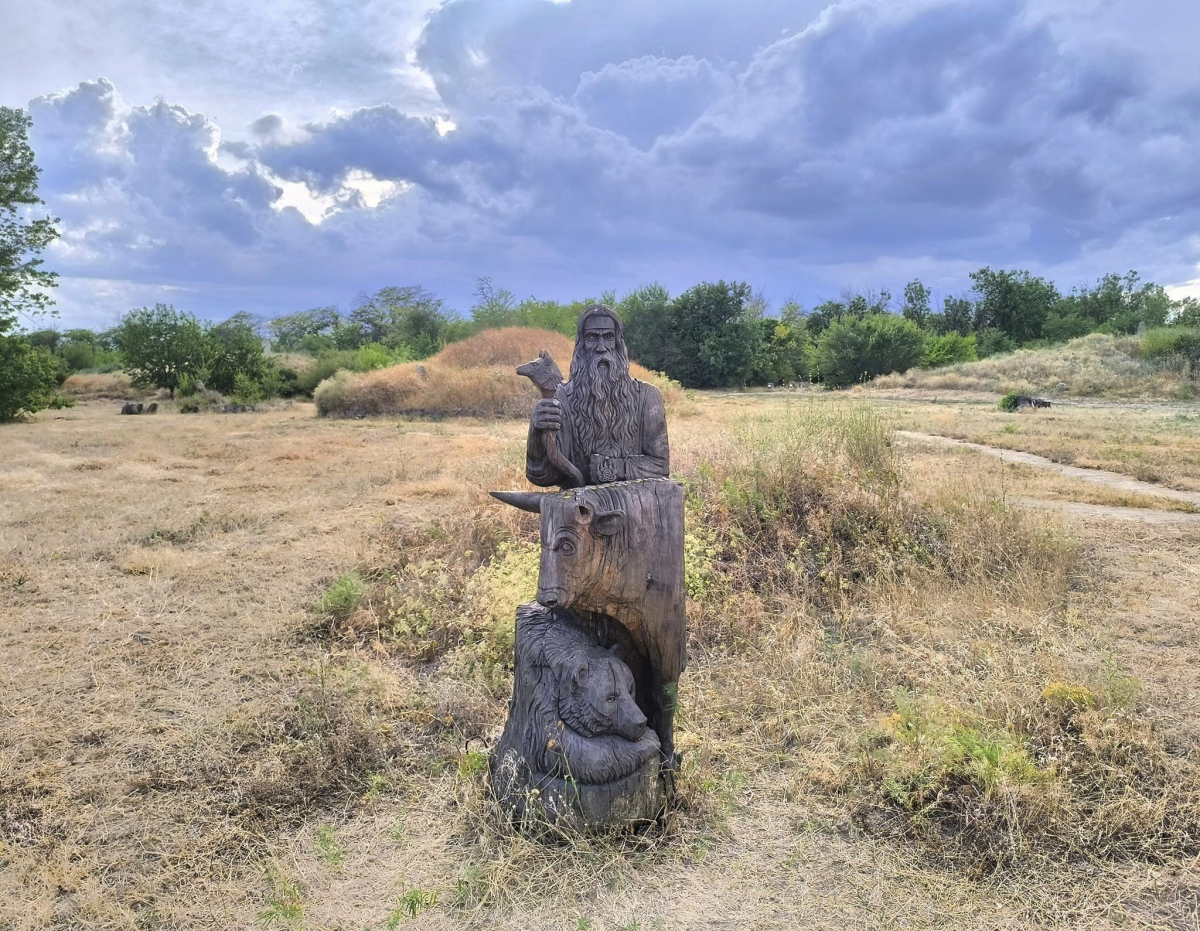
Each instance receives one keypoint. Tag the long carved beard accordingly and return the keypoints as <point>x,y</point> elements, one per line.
<point>604,401</point>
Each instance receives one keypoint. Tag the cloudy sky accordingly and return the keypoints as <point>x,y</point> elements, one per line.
<point>272,156</point>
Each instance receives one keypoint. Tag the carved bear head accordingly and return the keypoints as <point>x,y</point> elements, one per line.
<point>596,698</point>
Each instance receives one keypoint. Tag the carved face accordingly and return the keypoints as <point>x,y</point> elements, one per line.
<point>599,700</point>
<point>575,539</point>
<point>600,344</point>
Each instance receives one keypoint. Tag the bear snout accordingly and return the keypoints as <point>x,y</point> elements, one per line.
<point>632,723</point>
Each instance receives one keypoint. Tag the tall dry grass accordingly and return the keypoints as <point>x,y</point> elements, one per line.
<point>1093,365</point>
<point>474,377</point>
<point>891,645</point>
<point>109,385</point>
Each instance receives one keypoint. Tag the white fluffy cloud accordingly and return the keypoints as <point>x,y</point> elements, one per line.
<point>606,144</point>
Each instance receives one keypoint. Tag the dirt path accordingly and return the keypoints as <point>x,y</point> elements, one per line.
<point>1081,509</point>
<point>1097,476</point>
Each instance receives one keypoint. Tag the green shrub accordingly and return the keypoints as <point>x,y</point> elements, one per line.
<point>1173,343</point>
<point>1008,403</point>
<point>342,598</point>
<point>326,366</point>
<point>949,349</point>
<point>27,377</point>
<point>246,390</point>
<point>233,348</point>
<point>376,356</point>
<point>58,401</point>
<point>995,342</point>
<point>855,349</point>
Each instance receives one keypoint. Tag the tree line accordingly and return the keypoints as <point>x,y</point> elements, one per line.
<point>713,335</point>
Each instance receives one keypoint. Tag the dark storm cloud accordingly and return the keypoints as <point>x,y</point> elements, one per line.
<point>603,144</point>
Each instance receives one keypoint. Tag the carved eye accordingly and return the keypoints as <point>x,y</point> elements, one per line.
<point>612,698</point>
<point>566,547</point>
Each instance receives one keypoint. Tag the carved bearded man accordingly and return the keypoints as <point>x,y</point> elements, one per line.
<point>609,425</point>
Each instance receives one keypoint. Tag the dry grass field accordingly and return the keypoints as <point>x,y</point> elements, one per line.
<point>251,665</point>
<point>1151,442</point>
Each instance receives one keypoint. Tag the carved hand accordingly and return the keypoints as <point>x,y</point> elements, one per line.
<point>547,414</point>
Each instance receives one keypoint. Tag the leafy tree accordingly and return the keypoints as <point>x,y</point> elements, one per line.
<point>160,345</point>
<point>1013,302</point>
<point>853,303</point>
<point>1115,304</point>
<point>822,315</point>
<point>646,323</point>
<point>995,342</point>
<point>855,348</point>
<point>290,331</point>
<point>493,306</point>
<point>916,303</point>
<point>948,349</point>
<point>1185,312</point>
<point>409,316</point>
<point>957,316</point>
<point>27,372</point>
<point>27,377</point>
<point>23,281</point>
<point>714,336</point>
<point>782,356</point>
<point>231,349</point>
<point>45,339</point>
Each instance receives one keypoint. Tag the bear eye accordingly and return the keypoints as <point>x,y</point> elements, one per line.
<point>612,697</point>
<point>566,547</point>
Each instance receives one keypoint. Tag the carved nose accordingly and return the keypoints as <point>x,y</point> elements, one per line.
<point>547,599</point>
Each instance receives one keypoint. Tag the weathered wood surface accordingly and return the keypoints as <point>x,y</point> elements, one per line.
<point>617,550</point>
<point>611,573</point>
<point>576,746</point>
<point>544,373</point>
<point>607,424</point>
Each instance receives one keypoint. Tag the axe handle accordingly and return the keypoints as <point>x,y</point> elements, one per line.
<point>550,439</point>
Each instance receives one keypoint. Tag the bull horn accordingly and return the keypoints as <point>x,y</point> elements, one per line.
<point>525,500</point>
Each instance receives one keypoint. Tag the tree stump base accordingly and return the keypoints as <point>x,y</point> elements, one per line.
<point>576,750</point>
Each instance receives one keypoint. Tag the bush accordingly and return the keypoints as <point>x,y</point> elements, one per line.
<point>342,597</point>
<point>1173,343</point>
<point>28,377</point>
<point>333,395</point>
<point>995,342</point>
<point>326,366</point>
<point>246,390</point>
<point>856,349</point>
<point>1008,403</point>
<point>59,401</point>
<point>233,348</point>
<point>950,349</point>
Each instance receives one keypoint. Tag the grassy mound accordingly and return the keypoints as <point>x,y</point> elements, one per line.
<point>102,386</point>
<point>1093,365</point>
<point>474,377</point>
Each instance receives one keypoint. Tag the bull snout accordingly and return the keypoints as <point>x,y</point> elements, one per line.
<point>551,597</point>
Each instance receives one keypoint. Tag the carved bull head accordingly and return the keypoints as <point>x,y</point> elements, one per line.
<point>576,538</point>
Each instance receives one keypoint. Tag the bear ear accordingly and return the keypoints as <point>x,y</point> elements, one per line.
<point>608,523</point>
<point>580,677</point>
